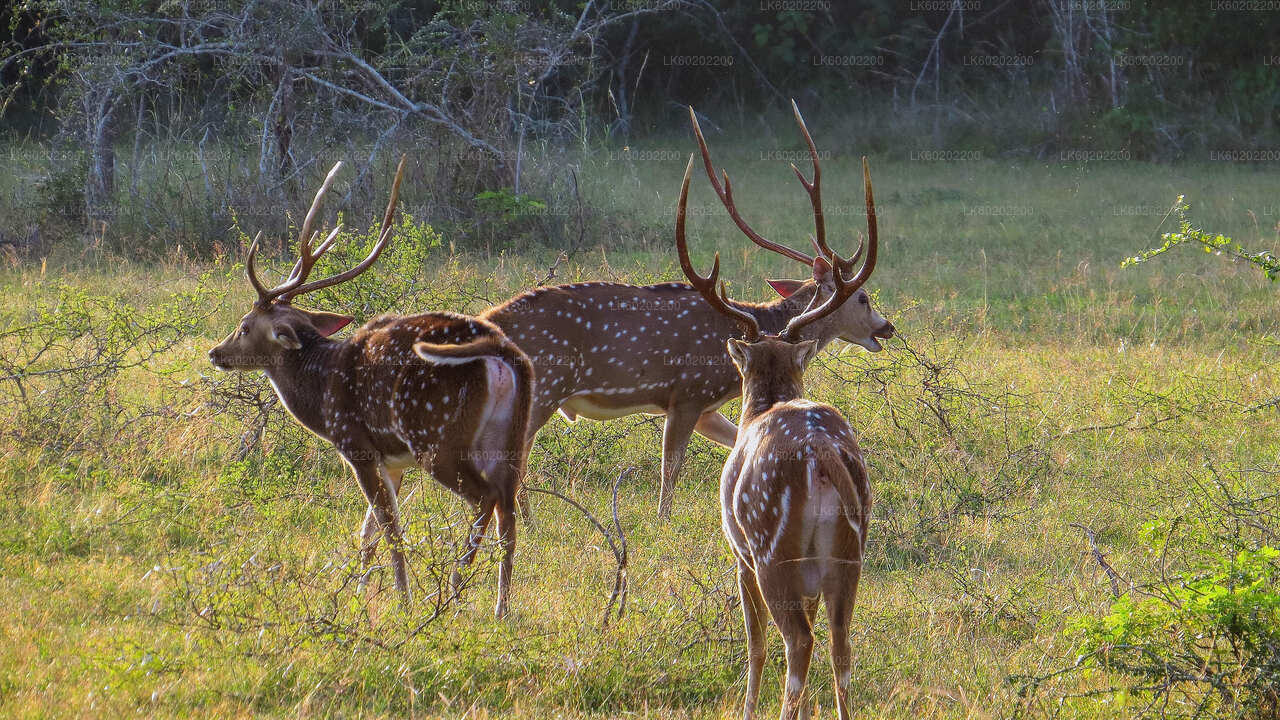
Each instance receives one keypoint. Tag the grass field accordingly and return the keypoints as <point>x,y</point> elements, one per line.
<point>152,567</point>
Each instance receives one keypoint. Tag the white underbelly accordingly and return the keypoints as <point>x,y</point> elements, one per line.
<point>399,462</point>
<point>584,406</point>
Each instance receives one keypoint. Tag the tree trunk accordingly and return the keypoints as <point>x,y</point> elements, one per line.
<point>100,181</point>
<point>284,123</point>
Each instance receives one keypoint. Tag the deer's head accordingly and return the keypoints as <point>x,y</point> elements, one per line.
<point>855,322</point>
<point>273,327</point>
<point>771,357</point>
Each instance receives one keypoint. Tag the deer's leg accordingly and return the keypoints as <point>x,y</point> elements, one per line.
<point>717,428</point>
<point>478,527</point>
<point>675,441</point>
<point>754,614</point>
<point>369,536</point>
<point>507,530</point>
<point>839,610</point>
<point>791,612</point>
<point>378,490</point>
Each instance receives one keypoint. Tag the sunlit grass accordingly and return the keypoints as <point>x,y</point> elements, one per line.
<point>160,577</point>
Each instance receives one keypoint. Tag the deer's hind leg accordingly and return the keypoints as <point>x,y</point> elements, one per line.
<point>793,613</point>
<point>839,601</point>
<point>460,476</point>
<point>756,618</point>
<point>507,530</point>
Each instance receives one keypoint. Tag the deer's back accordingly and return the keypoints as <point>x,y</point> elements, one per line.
<point>619,344</point>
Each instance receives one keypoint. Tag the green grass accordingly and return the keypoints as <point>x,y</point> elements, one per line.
<point>155,575</point>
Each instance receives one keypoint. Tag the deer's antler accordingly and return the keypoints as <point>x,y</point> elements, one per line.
<point>707,285</point>
<point>297,284</point>
<point>845,288</point>
<point>814,189</point>
<point>725,193</point>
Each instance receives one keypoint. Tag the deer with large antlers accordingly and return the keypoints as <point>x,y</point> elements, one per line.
<point>794,495</point>
<point>604,350</point>
<point>442,391</point>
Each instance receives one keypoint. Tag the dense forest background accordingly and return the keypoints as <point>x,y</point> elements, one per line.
<point>177,120</point>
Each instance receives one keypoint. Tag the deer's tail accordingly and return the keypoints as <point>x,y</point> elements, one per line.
<point>495,346</point>
<point>451,354</point>
<point>823,462</point>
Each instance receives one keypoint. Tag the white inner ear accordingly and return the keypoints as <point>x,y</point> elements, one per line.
<point>808,350</point>
<point>287,341</point>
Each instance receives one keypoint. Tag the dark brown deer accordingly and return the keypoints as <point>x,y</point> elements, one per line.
<point>604,350</point>
<point>446,392</point>
<point>794,495</point>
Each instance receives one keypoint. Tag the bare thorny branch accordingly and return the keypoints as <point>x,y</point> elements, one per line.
<point>617,540</point>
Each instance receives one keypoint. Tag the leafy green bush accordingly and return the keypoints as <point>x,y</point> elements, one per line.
<point>1210,634</point>
<point>72,364</point>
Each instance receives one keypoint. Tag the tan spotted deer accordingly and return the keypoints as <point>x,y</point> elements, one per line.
<point>445,392</point>
<point>605,350</point>
<point>794,495</point>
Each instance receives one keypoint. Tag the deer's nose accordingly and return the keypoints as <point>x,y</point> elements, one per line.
<point>886,331</point>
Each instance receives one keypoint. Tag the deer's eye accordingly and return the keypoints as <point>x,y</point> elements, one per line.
<point>244,330</point>
<point>863,299</point>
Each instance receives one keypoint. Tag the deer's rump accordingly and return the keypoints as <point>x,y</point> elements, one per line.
<point>471,390</point>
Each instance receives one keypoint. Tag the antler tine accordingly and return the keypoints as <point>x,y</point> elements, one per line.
<point>304,235</point>
<point>384,236</point>
<point>845,288</point>
<point>707,285</point>
<point>306,257</point>
<point>814,189</point>
<point>251,272</point>
<point>725,193</point>
<point>872,229</point>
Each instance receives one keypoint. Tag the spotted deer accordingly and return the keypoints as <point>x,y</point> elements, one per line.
<point>445,392</point>
<point>605,350</point>
<point>794,495</point>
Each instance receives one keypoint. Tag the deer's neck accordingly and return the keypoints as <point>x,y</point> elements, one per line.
<point>761,393</point>
<point>302,380</point>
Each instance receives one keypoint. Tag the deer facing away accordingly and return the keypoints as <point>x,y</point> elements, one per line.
<point>438,390</point>
<point>605,350</point>
<point>794,494</point>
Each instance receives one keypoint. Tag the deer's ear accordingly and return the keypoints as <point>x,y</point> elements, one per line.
<point>785,288</point>
<point>737,353</point>
<point>821,269</point>
<point>285,335</point>
<point>805,352</point>
<point>327,323</point>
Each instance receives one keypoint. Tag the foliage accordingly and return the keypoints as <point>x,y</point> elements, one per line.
<point>1214,243</point>
<point>1210,633</point>
<point>65,359</point>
